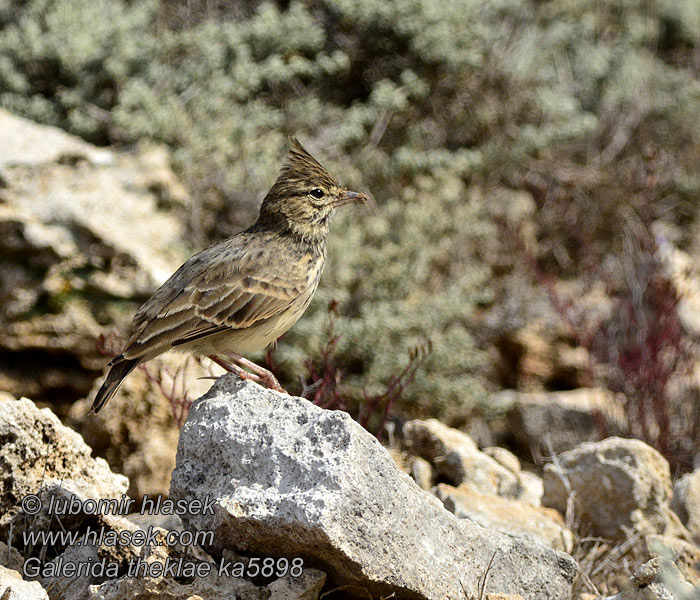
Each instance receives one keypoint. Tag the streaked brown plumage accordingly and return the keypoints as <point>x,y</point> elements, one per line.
<point>241,294</point>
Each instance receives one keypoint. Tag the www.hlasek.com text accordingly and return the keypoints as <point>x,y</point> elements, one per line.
<point>106,536</point>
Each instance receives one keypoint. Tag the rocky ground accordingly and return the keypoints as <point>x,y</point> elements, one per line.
<point>279,498</point>
<point>275,497</point>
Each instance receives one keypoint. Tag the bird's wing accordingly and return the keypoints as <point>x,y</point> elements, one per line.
<point>218,289</point>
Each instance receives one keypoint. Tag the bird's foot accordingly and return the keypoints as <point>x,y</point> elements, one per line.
<point>261,374</point>
<point>258,374</point>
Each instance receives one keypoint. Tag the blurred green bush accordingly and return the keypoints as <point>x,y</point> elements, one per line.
<point>417,101</point>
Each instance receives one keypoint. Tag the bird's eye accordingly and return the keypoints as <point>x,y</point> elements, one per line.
<point>317,193</point>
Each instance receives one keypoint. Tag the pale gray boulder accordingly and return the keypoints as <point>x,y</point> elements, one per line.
<point>292,480</point>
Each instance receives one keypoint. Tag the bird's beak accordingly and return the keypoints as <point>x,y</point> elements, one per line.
<point>346,197</point>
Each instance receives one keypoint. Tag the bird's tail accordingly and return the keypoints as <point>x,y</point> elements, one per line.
<point>114,379</point>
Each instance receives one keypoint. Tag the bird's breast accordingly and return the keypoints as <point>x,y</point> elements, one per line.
<point>313,276</point>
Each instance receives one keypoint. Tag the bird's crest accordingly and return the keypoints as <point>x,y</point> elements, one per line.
<point>301,167</point>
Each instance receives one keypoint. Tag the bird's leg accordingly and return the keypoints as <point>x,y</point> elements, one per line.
<point>231,368</point>
<point>264,376</point>
<point>259,374</point>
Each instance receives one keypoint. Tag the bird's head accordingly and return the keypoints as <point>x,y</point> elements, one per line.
<point>305,195</point>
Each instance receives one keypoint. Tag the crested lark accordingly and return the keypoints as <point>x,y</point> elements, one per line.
<point>241,294</point>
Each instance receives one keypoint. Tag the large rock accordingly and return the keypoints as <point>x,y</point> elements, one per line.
<point>40,456</point>
<point>295,481</point>
<point>456,458</point>
<point>616,484</point>
<point>514,517</point>
<point>686,502</point>
<point>86,235</point>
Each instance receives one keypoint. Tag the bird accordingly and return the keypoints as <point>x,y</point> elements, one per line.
<point>241,294</point>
